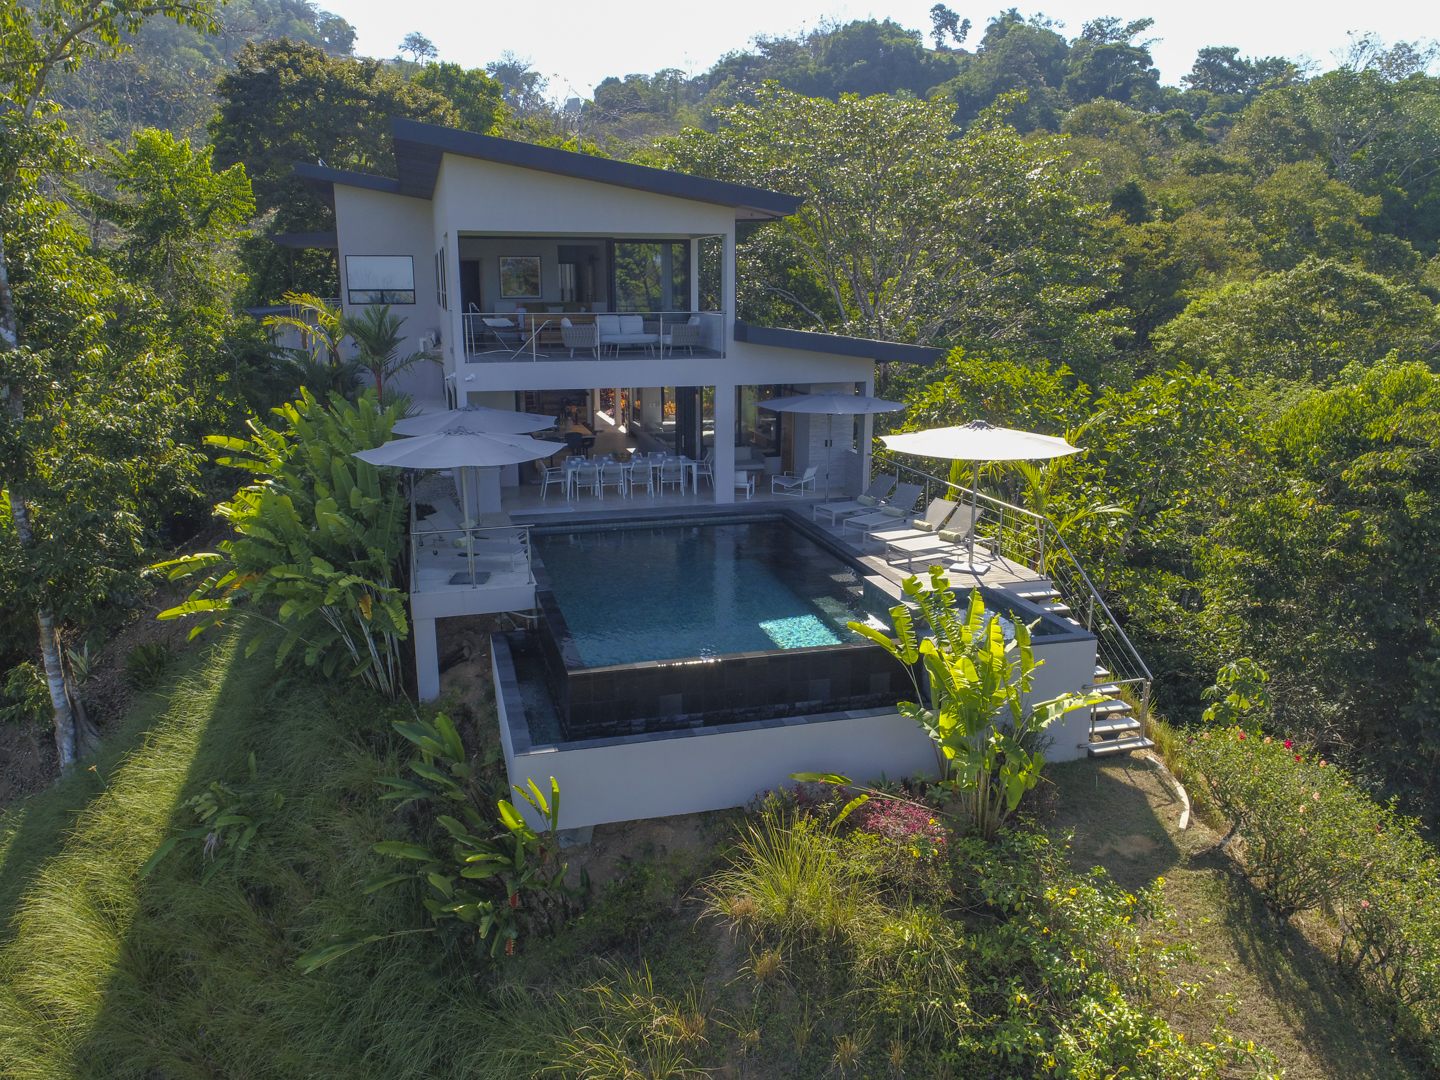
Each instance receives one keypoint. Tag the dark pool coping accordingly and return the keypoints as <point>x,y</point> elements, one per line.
<point>507,688</point>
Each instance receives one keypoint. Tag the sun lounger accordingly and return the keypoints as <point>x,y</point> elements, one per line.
<point>875,494</point>
<point>946,544</point>
<point>900,505</point>
<point>927,524</point>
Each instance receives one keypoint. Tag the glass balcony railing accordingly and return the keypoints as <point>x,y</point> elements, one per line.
<point>501,336</point>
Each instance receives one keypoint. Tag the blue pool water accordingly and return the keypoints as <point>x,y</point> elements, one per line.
<point>701,590</point>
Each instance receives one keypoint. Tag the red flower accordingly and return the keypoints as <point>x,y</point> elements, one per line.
<point>1289,743</point>
<point>1242,735</point>
<point>1297,757</point>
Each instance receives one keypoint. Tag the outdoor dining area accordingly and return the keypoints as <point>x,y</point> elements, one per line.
<point>652,473</point>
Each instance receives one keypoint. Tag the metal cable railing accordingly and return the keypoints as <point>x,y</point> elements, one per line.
<point>1032,540</point>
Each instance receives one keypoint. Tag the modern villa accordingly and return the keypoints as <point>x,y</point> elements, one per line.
<point>682,603</point>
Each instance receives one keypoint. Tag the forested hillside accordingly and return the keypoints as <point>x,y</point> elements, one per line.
<point>1224,289</point>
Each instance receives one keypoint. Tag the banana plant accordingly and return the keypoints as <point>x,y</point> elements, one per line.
<point>972,700</point>
<point>317,537</point>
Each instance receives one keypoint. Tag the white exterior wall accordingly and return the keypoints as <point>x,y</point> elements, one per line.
<point>378,223</point>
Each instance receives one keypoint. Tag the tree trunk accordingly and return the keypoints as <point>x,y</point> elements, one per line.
<point>65,741</point>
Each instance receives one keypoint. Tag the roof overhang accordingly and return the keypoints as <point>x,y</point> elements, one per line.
<point>419,149</point>
<point>885,352</point>
<point>321,179</point>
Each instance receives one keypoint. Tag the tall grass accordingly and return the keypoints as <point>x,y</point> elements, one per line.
<point>105,975</point>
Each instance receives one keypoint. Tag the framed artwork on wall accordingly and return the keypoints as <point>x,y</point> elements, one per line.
<point>520,277</point>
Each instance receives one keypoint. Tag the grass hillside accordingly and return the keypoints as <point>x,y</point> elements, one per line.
<point>103,974</point>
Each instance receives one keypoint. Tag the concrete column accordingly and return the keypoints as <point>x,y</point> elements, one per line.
<point>867,436</point>
<point>427,660</point>
<point>727,290</point>
<point>694,275</point>
<point>725,443</point>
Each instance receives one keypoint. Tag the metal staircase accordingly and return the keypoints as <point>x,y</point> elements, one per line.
<point>1062,589</point>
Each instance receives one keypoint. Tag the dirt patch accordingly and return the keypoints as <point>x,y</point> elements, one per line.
<point>612,846</point>
<point>1134,846</point>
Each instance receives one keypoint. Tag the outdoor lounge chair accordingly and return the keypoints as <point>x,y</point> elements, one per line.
<point>898,506</point>
<point>880,487</point>
<point>787,484</point>
<point>946,544</point>
<point>927,524</point>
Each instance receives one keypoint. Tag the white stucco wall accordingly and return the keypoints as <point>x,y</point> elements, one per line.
<point>378,223</point>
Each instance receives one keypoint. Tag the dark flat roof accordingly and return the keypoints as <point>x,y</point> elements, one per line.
<point>322,179</point>
<point>420,147</point>
<point>886,352</point>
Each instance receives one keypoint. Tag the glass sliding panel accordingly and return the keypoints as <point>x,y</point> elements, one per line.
<point>712,255</point>
<point>637,276</point>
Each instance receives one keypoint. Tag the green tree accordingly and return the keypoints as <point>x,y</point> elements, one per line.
<point>179,217</point>
<point>1326,574</point>
<point>911,230</point>
<point>475,96</point>
<point>286,102</point>
<point>1306,324</point>
<point>37,41</point>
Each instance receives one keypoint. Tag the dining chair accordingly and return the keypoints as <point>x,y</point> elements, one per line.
<point>745,481</point>
<point>672,472</point>
<point>555,476</point>
<point>641,472</point>
<point>705,467</point>
<point>612,475</point>
<point>587,476</point>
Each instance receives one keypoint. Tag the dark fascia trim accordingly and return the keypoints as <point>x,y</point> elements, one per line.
<point>314,240</point>
<point>419,148</point>
<point>322,179</point>
<point>886,352</point>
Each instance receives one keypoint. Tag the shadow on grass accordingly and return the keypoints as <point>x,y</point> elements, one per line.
<point>1338,1028</point>
<point>1114,808</point>
<point>32,832</point>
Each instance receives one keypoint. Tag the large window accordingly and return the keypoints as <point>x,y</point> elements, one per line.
<point>760,429</point>
<point>652,276</point>
<point>380,279</point>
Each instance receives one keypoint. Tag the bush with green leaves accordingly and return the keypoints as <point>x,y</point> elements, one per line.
<point>487,868</point>
<point>228,821</point>
<point>1023,967</point>
<point>24,697</point>
<point>1313,840</point>
<point>317,540</point>
<point>146,663</point>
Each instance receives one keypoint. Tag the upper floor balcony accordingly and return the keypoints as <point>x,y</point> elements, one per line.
<point>561,332</point>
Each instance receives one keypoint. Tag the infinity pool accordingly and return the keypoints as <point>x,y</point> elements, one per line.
<point>632,595</point>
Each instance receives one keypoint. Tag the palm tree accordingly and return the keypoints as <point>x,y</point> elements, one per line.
<point>377,339</point>
<point>319,363</point>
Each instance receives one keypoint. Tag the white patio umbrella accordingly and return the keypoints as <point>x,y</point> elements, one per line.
<point>979,441</point>
<point>832,403</point>
<point>457,448</point>
<point>480,419</point>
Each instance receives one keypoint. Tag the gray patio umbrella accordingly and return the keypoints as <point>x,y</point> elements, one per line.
<point>832,403</point>
<point>480,419</point>
<point>456,448</point>
<point>979,441</point>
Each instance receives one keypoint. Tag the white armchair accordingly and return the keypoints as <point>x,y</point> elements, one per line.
<point>580,337</point>
<point>745,482</point>
<point>789,484</point>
